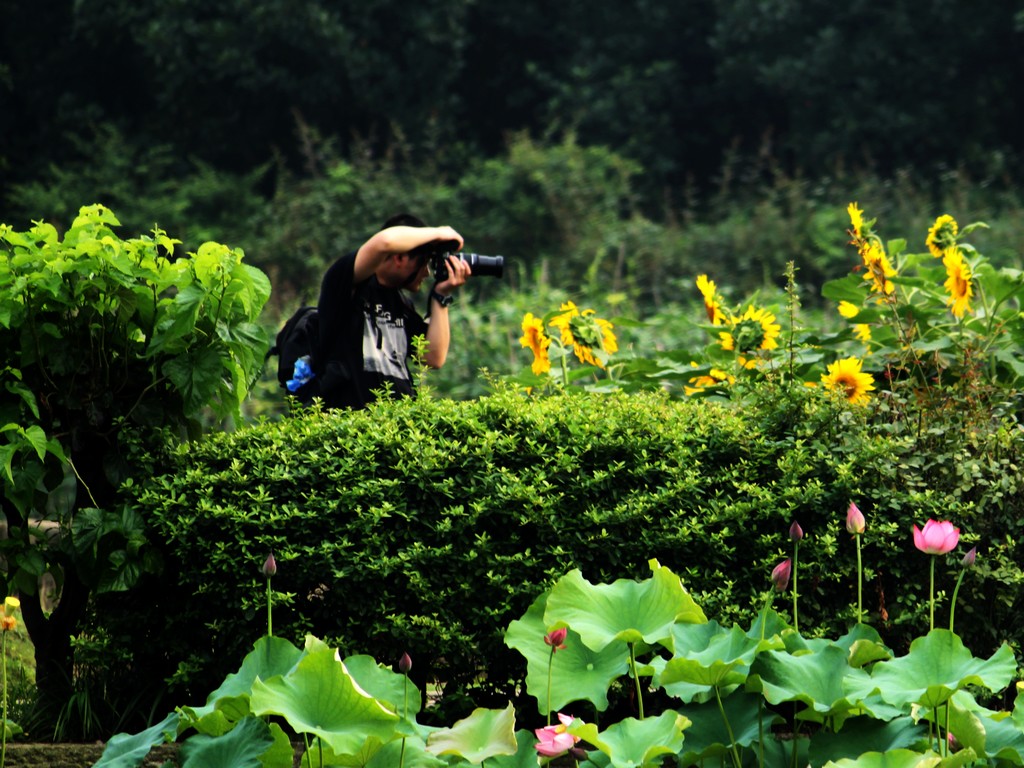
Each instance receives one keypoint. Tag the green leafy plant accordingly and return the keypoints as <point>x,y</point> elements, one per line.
<point>110,346</point>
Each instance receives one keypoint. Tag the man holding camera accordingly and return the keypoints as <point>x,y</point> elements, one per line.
<point>367,322</point>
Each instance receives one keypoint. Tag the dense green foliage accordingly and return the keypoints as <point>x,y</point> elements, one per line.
<point>106,344</point>
<point>426,526</point>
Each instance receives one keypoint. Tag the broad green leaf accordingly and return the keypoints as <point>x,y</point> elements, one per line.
<point>269,657</point>
<point>525,756</point>
<point>239,748</point>
<point>392,688</point>
<point>860,734</point>
<point>627,610</point>
<point>577,672</point>
<point>708,655</point>
<point>485,733</point>
<point>904,758</point>
<point>631,743</point>
<point>708,736</point>
<point>319,697</point>
<point>936,666</point>
<point>129,750</point>
<point>817,679</point>
<point>414,755</point>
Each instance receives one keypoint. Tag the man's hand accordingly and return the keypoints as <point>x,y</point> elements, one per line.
<point>458,273</point>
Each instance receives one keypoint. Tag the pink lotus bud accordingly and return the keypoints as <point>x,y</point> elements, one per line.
<point>795,531</point>
<point>781,574</point>
<point>936,538</point>
<point>556,639</point>
<point>270,566</point>
<point>970,557</point>
<point>404,664</point>
<point>855,523</point>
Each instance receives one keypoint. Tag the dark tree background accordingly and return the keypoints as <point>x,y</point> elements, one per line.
<point>673,86</point>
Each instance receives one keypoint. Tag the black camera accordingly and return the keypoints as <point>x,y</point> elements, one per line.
<point>438,252</point>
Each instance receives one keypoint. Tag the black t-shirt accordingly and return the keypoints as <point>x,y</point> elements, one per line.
<point>365,337</point>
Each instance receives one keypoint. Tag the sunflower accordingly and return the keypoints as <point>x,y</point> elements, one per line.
<point>845,376</point>
<point>754,329</point>
<point>958,282</point>
<point>584,333</point>
<point>538,341</point>
<point>713,378</point>
<point>711,303</point>
<point>942,235</point>
<point>879,270</point>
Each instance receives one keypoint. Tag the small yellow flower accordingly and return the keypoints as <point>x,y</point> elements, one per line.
<point>942,235</point>
<point>848,309</point>
<point>845,376</point>
<point>538,341</point>
<point>862,331</point>
<point>712,305</point>
<point>856,219</point>
<point>958,282</point>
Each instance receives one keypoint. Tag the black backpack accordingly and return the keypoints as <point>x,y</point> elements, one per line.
<point>299,338</point>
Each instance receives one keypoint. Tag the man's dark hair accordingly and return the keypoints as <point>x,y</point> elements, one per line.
<point>403,220</point>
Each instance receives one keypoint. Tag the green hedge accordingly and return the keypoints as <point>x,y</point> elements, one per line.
<point>427,526</point>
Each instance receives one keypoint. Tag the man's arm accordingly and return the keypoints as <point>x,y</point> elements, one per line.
<point>396,240</point>
<point>438,329</point>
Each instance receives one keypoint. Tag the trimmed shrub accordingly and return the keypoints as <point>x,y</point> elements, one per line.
<point>426,526</point>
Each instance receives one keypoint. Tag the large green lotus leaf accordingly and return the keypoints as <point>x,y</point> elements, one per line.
<point>485,733</point>
<point>627,610</point>
<point>269,656</point>
<point>525,756</point>
<point>708,737</point>
<point>631,743</point>
<point>129,750</point>
<point>319,697</point>
<point>282,753</point>
<point>239,748</point>
<point>577,673</point>
<point>936,666</point>
<point>708,655</point>
<point>318,752</point>
<point>859,734</point>
<point>862,643</point>
<point>816,679</point>
<point>394,689</point>
<point>904,758</point>
<point>415,756</point>
<point>993,734</point>
<point>767,624</point>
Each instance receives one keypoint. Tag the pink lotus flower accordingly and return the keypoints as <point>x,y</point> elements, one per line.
<point>781,574</point>
<point>554,740</point>
<point>936,538</point>
<point>795,531</point>
<point>855,523</point>
<point>556,639</point>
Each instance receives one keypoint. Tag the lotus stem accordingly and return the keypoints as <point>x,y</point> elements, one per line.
<point>796,555</point>
<point>956,591</point>
<point>931,597</point>
<point>860,585</point>
<point>636,679</point>
<point>728,728</point>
